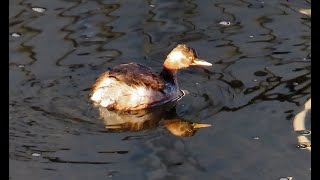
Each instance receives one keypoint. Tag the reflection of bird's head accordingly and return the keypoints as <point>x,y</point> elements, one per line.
<point>183,128</point>
<point>147,119</point>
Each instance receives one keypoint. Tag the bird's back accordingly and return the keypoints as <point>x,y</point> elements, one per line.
<point>130,87</point>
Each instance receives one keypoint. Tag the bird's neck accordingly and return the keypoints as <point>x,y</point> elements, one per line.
<point>169,75</point>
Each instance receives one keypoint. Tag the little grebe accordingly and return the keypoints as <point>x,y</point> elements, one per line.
<point>133,86</point>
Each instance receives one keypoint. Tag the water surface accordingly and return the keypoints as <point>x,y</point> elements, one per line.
<point>260,79</point>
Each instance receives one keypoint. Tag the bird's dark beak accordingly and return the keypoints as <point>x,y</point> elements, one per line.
<point>200,62</point>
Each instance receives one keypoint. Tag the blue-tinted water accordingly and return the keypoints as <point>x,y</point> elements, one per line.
<point>259,80</point>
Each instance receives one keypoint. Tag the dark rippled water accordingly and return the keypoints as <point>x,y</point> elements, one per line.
<point>260,79</point>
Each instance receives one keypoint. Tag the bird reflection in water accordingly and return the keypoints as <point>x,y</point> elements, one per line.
<point>118,121</point>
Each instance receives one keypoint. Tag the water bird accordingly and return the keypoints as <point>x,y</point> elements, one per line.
<point>133,86</point>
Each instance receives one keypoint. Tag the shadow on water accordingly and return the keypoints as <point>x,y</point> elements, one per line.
<point>260,80</point>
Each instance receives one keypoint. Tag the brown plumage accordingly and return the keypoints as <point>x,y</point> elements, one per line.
<point>134,86</point>
<point>133,74</point>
